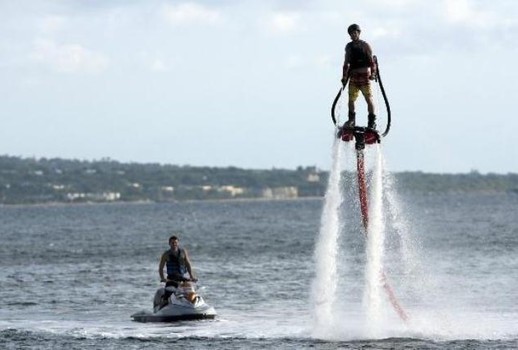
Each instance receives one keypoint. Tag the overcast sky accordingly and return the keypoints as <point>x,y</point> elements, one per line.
<point>250,83</point>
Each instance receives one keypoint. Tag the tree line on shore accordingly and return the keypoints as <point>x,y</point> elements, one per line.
<point>43,180</point>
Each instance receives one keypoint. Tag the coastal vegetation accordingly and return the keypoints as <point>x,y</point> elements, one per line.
<point>31,180</point>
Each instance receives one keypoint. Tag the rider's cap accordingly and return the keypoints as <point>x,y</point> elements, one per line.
<point>353,27</point>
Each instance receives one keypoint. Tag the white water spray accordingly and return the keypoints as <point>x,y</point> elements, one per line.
<point>380,301</point>
<point>326,251</point>
<point>408,248</point>
<point>373,293</point>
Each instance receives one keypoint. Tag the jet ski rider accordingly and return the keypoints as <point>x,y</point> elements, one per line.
<point>176,259</point>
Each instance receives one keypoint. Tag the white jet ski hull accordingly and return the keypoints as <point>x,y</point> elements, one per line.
<point>177,308</point>
<point>146,316</point>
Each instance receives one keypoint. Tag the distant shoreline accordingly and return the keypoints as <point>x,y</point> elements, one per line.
<point>225,200</point>
<point>237,200</point>
<point>62,182</point>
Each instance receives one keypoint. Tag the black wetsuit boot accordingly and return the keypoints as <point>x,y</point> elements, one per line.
<point>352,120</point>
<point>372,121</point>
<point>349,124</point>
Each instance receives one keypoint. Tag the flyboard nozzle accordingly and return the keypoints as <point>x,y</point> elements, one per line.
<point>360,141</point>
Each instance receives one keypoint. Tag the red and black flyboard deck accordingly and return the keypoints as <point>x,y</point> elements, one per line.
<point>362,136</point>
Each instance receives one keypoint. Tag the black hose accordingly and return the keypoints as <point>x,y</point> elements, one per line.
<point>336,101</point>
<point>387,105</point>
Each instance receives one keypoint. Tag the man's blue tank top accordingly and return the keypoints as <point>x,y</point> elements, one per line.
<point>176,263</point>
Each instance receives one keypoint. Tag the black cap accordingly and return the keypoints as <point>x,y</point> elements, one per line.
<point>353,27</point>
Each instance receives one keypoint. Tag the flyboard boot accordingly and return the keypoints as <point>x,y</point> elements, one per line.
<point>372,121</point>
<point>349,124</point>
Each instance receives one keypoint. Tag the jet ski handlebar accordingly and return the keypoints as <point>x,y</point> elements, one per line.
<point>194,280</point>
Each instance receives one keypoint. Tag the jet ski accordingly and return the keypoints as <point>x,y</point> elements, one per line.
<point>183,303</point>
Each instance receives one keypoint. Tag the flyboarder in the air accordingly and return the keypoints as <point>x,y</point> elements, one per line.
<point>359,68</point>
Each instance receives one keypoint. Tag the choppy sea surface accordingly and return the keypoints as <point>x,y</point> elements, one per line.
<point>71,275</point>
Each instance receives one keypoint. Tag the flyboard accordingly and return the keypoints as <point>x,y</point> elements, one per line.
<point>363,136</point>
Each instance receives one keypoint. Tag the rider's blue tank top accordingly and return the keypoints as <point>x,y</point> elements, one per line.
<point>176,263</point>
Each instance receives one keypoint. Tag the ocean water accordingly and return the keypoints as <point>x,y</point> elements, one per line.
<point>71,275</point>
